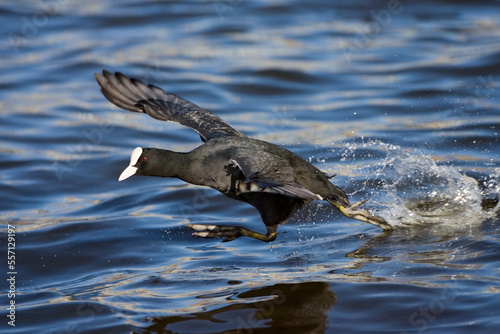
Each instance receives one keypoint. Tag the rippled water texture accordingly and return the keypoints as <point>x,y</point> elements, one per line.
<point>399,99</point>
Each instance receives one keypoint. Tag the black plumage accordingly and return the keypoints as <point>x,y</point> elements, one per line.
<point>274,180</point>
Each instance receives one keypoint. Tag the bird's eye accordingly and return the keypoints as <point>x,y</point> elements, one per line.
<point>144,159</point>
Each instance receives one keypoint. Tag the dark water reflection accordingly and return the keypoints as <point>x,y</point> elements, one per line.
<point>402,106</point>
<point>291,308</point>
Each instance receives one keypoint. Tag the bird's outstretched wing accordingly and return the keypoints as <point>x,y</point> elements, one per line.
<point>133,95</point>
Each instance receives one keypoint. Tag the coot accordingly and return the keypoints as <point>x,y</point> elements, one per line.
<point>274,180</point>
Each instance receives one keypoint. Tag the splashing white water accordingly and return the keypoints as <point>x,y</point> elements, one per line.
<point>414,189</point>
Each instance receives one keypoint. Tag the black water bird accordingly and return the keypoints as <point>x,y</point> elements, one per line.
<point>274,180</point>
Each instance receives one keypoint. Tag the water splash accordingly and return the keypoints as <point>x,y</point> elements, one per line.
<point>414,189</point>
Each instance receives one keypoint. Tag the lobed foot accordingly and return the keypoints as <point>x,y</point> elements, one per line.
<point>363,215</point>
<point>228,232</point>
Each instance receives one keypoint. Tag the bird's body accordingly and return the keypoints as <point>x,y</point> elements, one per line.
<point>271,178</point>
<point>253,161</point>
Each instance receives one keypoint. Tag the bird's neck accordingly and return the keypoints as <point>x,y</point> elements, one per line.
<point>170,164</point>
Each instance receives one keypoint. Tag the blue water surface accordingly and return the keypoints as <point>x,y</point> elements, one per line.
<point>399,99</point>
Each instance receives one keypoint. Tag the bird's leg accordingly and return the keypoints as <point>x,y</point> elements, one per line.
<point>231,232</point>
<point>362,215</point>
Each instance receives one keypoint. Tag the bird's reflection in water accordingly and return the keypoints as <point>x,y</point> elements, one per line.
<point>280,308</point>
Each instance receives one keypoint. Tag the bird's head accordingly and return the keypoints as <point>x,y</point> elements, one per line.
<point>138,164</point>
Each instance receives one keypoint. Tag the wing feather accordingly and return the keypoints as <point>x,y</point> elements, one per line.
<point>133,95</point>
<point>277,177</point>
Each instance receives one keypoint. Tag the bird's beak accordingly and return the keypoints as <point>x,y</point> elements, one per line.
<point>128,172</point>
<point>131,169</point>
